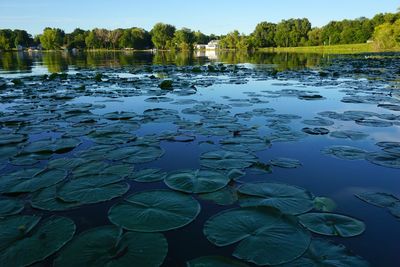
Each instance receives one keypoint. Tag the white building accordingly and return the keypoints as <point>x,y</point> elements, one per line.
<point>212,45</point>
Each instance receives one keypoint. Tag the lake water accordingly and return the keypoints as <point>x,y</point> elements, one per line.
<point>328,114</point>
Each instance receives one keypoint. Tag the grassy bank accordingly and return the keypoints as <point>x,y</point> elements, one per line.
<point>332,49</point>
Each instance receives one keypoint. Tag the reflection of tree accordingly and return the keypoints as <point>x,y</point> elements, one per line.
<point>55,61</point>
<point>16,61</point>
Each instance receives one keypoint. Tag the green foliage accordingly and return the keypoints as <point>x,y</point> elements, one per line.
<point>162,35</point>
<point>184,39</point>
<point>12,39</point>
<point>387,35</point>
<point>292,32</point>
<point>52,38</point>
<point>135,38</point>
<point>264,34</point>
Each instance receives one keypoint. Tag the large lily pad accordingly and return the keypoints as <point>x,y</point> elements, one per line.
<point>24,241</point>
<point>46,146</point>
<point>148,175</point>
<point>196,181</point>
<point>226,160</point>
<point>136,154</point>
<point>154,211</point>
<point>47,199</point>
<point>10,207</point>
<point>384,200</point>
<point>215,261</point>
<point>384,159</point>
<point>225,196</point>
<point>109,246</point>
<point>353,135</point>
<point>265,236</point>
<point>287,198</point>
<point>323,253</point>
<point>345,152</point>
<point>332,224</point>
<point>30,180</point>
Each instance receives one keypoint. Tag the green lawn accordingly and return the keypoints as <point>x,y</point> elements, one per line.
<point>332,49</point>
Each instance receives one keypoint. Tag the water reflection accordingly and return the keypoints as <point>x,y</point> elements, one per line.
<point>27,62</point>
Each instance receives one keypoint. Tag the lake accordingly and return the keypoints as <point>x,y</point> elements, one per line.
<point>164,158</point>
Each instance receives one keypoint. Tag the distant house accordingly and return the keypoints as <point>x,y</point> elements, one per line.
<point>212,45</point>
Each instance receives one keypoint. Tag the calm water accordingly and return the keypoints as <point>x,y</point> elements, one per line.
<point>275,81</point>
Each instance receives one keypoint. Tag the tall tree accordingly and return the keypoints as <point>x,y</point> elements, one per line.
<point>162,35</point>
<point>52,38</point>
<point>264,34</point>
<point>184,39</point>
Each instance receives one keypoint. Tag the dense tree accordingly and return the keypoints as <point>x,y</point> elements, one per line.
<point>264,34</point>
<point>387,35</point>
<point>292,32</point>
<point>21,37</point>
<point>135,38</point>
<point>201,38</point>
<point>52,38</point>
<point>76,39</point>
<point>184,39</point>
<point>162,35</point>
<point>315,37</point>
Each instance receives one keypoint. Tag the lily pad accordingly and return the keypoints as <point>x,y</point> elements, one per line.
<point>10,207</point>
<point>315,131</point>
<point>380,199</point>
<point>287,198</point>
<point>196,181</point>
<point>345,152</point>
<point>136,154</point>
<point>148,175</point>
<point>285,163</point>
<point>353,135</point>
<point>225,196</point>
<point>226,160</point>
<point>24,235</point>
<point>332,224</point>
<point>324,204</point>
<point>215,261</point>
<point>61,145</point>
<point>47,199</point>
<point>109,246</point>
<point>154,211</point>
<point>323,253</point>
<point>265,236</point>
<point>384,159</point>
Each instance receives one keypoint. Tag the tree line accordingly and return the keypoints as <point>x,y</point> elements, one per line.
<point>383,29</point>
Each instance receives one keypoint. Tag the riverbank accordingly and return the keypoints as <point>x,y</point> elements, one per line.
<point>332,49</point>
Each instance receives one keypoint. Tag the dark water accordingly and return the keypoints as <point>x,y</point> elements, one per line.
<point>267,78</point>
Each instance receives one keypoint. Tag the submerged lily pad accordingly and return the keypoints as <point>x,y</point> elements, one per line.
<point>287,198</point>
<point>215,261</point>
<point>384,159</point>
<point>136,154</point>
<point>384,200</point>
<point>226,160</point>
<point>24,235</point>
<point>345,152</point>
<point>332,224</point>
<point>285,163</point>
<point>225,196</point>
<point>265,236</point>
<point>109,246</point>
<point>148,175</point>
<point>154,211</point>
<point>323,253</point>
<point>374,122</point>
<point>324,204</point>
<point>10,207</point>
<point>353,135</point>
<point>196,181</point>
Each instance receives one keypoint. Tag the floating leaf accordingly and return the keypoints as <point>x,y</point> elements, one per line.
<point>47,199</point>
<point>287,198</point>
<point>345,152</point>
<point>324,204</point>
<point>332,224</point>
<point>323,253</point>
<point>285,162</point>
<point>10,207</point>
<point>315,131</point>
<point>148,175</point>
<point>23,235</point>
<point>353,135</point>
<point>265,236</point>
<point>196,181</point>
<point>224,196</point>
<point>108,246</point>
<point>384,159</point>
<point>61,145</point>
<point>154,211</point>
<point>136,154</point>
<point>226,160</point>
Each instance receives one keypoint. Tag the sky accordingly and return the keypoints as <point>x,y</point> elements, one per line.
<point>208,16</point>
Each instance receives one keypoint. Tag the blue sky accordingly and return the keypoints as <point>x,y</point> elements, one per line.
<point>209,16</point>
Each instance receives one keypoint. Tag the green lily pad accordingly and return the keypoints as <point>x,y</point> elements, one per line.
<point>10,138</point>
<point>324,204</point>
<point>384,159</point>
<point>46,146</point>
<point>380,199</point>
<point>265,236</point>
<point>215,261</point>
<point>10,207</point>
<point>91,190</point>
<point>226,160</point>
<point>196,181</point>
<point>225,196</point>
<point>30,180</point>
<point>154,211</point>
<point>323,253</point>
<point>287,198</point>
<point>285,163</point>
<point>24,235</point>
<point>332,224</point>
<point>136,154</point>
<point>109,246</point>
<point>345,152</point>
<point>47,199</point>
<point>111,137</point>
<point>148,175</point>
<point>353,135</point>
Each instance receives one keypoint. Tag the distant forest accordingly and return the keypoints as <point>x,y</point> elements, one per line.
<point>383,30</point>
